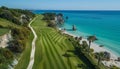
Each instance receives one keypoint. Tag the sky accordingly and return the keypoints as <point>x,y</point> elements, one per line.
<point>63,4</point>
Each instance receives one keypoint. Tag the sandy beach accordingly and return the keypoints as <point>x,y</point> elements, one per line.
<point>97,48</point>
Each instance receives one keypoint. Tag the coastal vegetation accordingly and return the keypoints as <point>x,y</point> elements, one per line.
<point>14,15</point>
<point>82,49</point>
<point>49,16</point>
<point>21,35</point>
<point>6,57</point>
<point>91,39</point>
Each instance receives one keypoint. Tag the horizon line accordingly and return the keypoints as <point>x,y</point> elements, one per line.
<point>69,9</point>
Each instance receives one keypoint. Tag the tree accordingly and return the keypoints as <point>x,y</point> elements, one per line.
<point>13,15</point>
<point>49,16</point>
<point>51,24</point>
<point>100,56</point>
<point>6,57</point>
<point>91,39</point>
<point>4,7</point>
<point>84,45</point>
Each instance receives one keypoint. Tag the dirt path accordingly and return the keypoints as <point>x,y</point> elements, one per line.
<point>31,62</point>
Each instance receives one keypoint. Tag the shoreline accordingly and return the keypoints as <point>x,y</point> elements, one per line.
<point>97,48</point>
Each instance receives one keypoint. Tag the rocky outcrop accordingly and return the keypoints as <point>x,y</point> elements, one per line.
<point>59,18</point>
<point>4,39</point>
<point>74,28</point>
<point>24,19</point>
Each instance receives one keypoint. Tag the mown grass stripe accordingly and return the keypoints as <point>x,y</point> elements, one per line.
<point>40,65</point>
<point>50,55</point>
<point>45,63</point>
<point>61,39</point>
<point>58,54</point>
<point>56,36</point>
<point>62,47</point>
<point>38,52</point>
<point>54,45</point>
<point>54,53</point>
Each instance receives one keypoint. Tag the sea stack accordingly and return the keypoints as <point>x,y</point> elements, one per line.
<point>66,17</point>
<point>74,28</point>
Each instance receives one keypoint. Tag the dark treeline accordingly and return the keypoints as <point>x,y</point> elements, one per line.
<point>53,19</point>
<point>49,16</point>
<point>14,15</point>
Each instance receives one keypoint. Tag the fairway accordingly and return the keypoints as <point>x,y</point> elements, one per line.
<point>51,47</point>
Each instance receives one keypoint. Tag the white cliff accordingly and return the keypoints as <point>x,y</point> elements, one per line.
<point>4,39</point>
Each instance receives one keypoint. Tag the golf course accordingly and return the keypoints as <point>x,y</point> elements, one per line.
<point>59,34</point>
<point>51,47</point>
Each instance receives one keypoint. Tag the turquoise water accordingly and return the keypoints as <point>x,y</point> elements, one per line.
<point>104,24</point>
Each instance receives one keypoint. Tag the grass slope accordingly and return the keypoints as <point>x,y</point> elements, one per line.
<point>5,27</point>
<point>50,48</point>
<point>5,23</point>
<point>3,31</point>
<point>25,57</point>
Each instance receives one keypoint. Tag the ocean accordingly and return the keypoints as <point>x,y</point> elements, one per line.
<point>105,25</point>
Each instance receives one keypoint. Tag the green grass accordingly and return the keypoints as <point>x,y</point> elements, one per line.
<point>25,57</point>
<point>5,23</point>
<point>50,48</point>
<point>3,31</point>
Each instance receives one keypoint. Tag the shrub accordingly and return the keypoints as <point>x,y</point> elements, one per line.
<point>51,24</point>
<point>6,57</point>
<point>13,15</point>
<point>49,16</point>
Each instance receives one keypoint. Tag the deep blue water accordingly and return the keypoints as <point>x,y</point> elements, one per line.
<point>104,24</point>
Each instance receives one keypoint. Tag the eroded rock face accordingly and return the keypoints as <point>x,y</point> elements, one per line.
<point>59,18</point>
<point>24,19</point>
<point>4,39</point>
